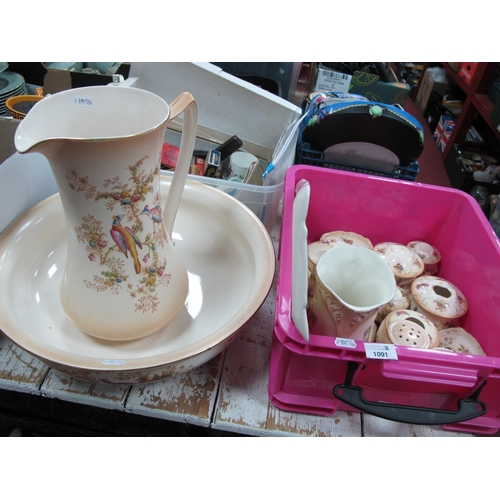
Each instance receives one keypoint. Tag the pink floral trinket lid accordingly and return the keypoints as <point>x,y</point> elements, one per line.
<point>430,255</point>
<point>336,238</point>
<point>403,261</point>
<point>439,297</point>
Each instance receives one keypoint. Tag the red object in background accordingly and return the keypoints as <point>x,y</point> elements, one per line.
<point>169,155</point>
<point>467,71</point>
<point>200,163</point>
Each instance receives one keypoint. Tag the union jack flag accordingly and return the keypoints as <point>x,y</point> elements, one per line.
<point>443,131</point>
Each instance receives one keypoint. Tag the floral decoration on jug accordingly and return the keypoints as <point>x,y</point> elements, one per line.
<point>117,245</point>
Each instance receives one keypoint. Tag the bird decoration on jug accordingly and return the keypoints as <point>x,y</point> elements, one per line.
<point>126,240</point>
<point>154,214</point>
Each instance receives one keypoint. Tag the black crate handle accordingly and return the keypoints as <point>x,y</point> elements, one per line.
<point>467,408</point>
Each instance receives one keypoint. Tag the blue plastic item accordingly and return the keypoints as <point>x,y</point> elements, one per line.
<point>334,118</point>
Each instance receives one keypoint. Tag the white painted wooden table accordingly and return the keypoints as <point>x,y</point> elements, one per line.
<point>228,393</point>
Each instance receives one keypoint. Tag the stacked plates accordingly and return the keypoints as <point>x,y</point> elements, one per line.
<point>11,84</point>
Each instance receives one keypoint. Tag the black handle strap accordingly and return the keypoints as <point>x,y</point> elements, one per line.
<point>467,408</point>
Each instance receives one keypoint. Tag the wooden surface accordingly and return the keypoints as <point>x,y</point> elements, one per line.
<point>229,393</point>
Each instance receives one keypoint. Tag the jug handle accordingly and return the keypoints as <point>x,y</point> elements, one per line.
<point>183,103</point>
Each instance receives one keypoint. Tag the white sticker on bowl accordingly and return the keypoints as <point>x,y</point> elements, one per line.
<point>113,362</point>
<point>82,101</point>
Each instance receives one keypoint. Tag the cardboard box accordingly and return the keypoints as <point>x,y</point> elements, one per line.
<point>433,80</point>
<point>365,84</point>
<point>332,81</point>
<point>443,131</point>
<point>8,128</point>
<point>57,80</point>
<point>372,88</point>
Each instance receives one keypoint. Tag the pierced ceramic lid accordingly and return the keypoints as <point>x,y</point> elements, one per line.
<point>439,297</point>
<point>409,334</point>
<point>402,260</point>
<point>458,340</point>
<point>418,319</point>
<point>335,238</point>
<point>428,253</point>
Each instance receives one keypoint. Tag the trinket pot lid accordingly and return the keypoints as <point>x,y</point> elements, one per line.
<point>402,260</point>
<point>439,297</point>
<point>336,238</point>
<point>428,253</point>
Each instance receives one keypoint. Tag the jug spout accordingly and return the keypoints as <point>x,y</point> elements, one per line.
<point>47,147</point>
<point>35,133</point>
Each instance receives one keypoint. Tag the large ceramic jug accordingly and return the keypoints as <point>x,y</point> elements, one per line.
<point>123,279</point>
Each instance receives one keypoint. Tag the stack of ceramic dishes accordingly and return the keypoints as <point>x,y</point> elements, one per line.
<point>11,84</point>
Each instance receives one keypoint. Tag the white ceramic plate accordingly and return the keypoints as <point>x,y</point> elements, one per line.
<point>230,260</point>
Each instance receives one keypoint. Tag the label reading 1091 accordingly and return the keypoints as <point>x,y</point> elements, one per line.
<point>380,351</point>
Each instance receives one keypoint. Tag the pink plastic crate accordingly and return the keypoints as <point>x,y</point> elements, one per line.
<point>425,385</point>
